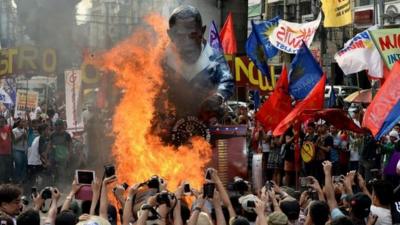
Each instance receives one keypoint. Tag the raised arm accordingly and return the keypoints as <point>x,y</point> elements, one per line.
<point>104,197</point>
<point>329,191</point>
<point>129,204</point>
<point>196,211</point>
<point>74,189</point>
<point>51,217</point>
<point>222,192</point>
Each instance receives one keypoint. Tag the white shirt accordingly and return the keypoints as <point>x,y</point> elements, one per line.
<point>384,215</point>
<point>33,153</point>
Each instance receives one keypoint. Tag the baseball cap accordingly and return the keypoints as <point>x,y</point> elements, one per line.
<point>277,218</point>
<point>360,205</point>
<point>291,208</point>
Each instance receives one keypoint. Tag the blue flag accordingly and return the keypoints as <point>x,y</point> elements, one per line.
<point>305,72</point>
<point>213,38</point>
<point>256,99</point>
<point>258,46</point>
<point>391,120</point>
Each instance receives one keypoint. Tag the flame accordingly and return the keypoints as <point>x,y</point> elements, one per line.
<point>138,153</point>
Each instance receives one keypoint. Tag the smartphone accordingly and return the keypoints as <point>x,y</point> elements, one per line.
<point>125,186</point>
<point>208,190</point>
<point>251,204</point>
<point>208,174</point>
<point>304,181</point>
<point>163,198</point>
<point>269,185</point>
<point>109,170</point>
<point>337,179</point>
<point>186,189</point>
<point>84,176</point>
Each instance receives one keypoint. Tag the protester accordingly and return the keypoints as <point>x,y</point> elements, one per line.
<point>6,168</point>
<point>20,147</point>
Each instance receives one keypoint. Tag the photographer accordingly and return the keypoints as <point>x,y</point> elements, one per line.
<point>52,214</point>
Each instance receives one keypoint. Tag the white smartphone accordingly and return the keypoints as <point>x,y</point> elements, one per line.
<point>85,176</point>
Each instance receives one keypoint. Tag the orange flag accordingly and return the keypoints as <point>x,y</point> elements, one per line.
<point>227,35</point>
<point>314,100</point>
<point>277,106</point>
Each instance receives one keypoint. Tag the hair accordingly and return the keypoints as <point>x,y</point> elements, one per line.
<point>383,190</point>
<point>319,212</point>
<point>86,206</point>
<point>66,217</point>
<point>9,192</point>
<point>29,217</point>
<point>342,221</point>
<point>42,128</point>
<point>185,12</point>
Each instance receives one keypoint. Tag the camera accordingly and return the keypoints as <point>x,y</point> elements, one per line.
<point>208,174</point>
<point>154,182</point>
<point>163,198</point>
<point>251,204</point>
<point>109,170</point>
<point>304,182</point>
<point>125,186</point>
<point>46,193</point>
<point>338,179</point>
<point>208,190</point>
<point>186,189</point>
<point>240,185</point>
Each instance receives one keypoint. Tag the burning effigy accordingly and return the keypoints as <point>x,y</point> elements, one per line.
<point>173,81</point>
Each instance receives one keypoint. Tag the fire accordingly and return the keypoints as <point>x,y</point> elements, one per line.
<point>138,153</point>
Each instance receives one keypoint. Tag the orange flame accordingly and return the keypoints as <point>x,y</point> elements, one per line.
<point>138,153</point>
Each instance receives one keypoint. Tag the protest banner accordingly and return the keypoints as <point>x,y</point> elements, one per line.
<point>73,99</point>
<point>337,13</point>
<point>387,41</point>
<point>359,53</point>
<point>26,101</point>
<point>288,37</point>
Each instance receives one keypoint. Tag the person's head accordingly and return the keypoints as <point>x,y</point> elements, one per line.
<point>43,129</point>
<point>360,205</point>
<point>397,128</point>
<point>310,128</point>
<point>29,217</point>
<point>333,129</point>
<point>382,193</point>
<point>318,212</point>
<point>10,199</point>
<point>290,208</point>
<point>394,136</point>
<point>239,220</point>
<point>186,32</point>
<point>322,129</point>
<point>3,121</point>
<point>59,125</point>
<point>277,218</point>
<point>66,218</point>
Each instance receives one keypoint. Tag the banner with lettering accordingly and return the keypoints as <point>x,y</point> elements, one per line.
<point>26,101</point>
<point>387,41</point>
<point>288,36</point>
<point>360,53</point>
<point>337,13</point>
<point>73,99</point>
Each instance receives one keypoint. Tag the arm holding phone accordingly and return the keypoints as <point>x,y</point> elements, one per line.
<point>75,188</point>
<point>51,217</point>
<point>314,184</point>
<point>177,210</point>
<point>104,197</point>
<point>195,214</point>
<point>129,204</point>
<point>38,201</point>
<point>96,186</point>
<point>218,208</point>
<point>222,191</point>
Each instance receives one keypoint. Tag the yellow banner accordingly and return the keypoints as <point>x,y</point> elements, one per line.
<point>337,13</point>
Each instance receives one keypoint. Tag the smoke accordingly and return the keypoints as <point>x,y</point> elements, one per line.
<point>83,11</point>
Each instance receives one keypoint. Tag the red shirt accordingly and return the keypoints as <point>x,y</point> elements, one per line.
<point>5,140</point>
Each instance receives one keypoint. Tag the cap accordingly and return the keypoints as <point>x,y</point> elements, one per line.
<point>59,122</point>
<point>360,205</point>
<point>291,208</point>
<point>394,134</point>
<point>277,218</point>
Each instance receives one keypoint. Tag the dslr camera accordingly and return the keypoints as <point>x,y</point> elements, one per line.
<point>155,182</point>
<point>47,193</point>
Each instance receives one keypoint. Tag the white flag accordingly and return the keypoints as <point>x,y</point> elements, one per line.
<point>360,53</point>
<point>288,37</point>
<point>4,97</point>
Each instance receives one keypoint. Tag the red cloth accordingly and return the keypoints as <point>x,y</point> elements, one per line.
<point>382,104</point>
<point>277,106</point>
<point>227,35</point>
<point>5,144</point>
<point>314,100</point>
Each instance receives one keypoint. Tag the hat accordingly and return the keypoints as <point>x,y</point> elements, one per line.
<point>291,208</point>
<point>360,205</point>
<point>93,220</point>
<point>244,199</point>
<point>59,122</point>
<point>277,218</point>
<point>394,134</point>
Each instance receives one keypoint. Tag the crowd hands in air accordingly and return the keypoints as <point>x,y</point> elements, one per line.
<point>346,199</point>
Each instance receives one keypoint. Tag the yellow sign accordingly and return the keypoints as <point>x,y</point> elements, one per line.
<point>337,13</point>
<point>307,151</point>
<point>26,59</point>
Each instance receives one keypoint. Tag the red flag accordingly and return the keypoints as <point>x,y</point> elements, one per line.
<point>277,106</point>
<point>384,101</point>
<point>227,35</point>
<point>314,100</point>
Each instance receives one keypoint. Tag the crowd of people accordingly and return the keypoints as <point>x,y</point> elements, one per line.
<point>348,200</point>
